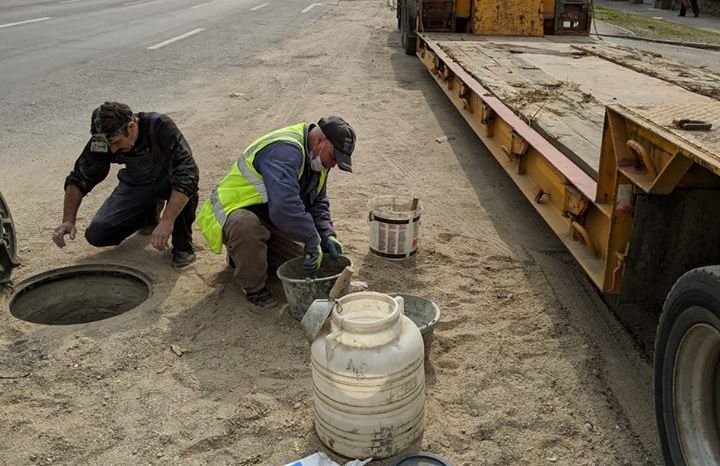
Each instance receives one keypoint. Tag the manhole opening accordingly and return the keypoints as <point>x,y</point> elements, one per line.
<point>80,294</point>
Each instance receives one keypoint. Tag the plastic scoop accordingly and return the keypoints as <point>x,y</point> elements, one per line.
<point>320,309</point>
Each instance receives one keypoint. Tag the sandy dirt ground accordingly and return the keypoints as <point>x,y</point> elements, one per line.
<point>526,366</point>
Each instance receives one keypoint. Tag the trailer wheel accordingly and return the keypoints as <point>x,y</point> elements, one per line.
<point>407,26</point>
<point>8,243</point>
<point>687,370</point>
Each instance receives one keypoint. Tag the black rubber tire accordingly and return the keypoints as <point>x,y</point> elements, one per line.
<point>407,27</point>
<point>692,304</point>
<point>7,228</point>
<point>8,243</point>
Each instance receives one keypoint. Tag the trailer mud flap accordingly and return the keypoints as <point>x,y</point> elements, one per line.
<point>671,234</point>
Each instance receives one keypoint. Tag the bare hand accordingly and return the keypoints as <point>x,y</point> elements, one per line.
<point>66,228</point>
<point>161,235</point>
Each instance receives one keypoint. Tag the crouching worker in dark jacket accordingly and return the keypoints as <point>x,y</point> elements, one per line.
<point>159,167</point>
<point>274,197</point>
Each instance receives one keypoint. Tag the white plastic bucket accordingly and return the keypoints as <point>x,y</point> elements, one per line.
<point>394,226</point>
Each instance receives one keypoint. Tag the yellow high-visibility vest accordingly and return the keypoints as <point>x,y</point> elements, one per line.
<point>244,186</point>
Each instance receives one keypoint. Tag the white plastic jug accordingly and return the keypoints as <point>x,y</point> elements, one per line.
<point>368,377</point>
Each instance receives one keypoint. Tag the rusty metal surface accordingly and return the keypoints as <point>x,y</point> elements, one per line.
<point>702,146</point>
<point>508,17</point>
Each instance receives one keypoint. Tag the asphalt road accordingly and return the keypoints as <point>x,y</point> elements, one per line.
<point>59,59</point>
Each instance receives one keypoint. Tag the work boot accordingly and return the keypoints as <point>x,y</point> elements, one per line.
<point>261,298</point>
<point>182,258</point>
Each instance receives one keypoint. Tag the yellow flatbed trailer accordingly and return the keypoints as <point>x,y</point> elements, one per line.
<point>619,151</point>
<point>540,107</point>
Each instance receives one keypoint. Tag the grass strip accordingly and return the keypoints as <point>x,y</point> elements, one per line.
<point>652,28</point>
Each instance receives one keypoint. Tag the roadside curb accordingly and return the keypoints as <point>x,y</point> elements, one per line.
<point>696,45</point>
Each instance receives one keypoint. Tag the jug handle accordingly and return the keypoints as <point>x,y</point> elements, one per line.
<point>400,304</point>
<point>400,301</point>
<point>332,340</point>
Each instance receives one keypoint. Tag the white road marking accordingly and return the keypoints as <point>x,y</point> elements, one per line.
<point>36,20</point>
<point>175,39</point>
<point>255,8</point>
<point>201,5</point>
<point>141,2</point>
<point>69,1</point>
<point>310,7</point>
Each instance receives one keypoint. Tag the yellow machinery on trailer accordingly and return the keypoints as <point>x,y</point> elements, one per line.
<point>619,151</point>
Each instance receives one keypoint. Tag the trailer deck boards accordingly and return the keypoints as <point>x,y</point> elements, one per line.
<point>560,86</point>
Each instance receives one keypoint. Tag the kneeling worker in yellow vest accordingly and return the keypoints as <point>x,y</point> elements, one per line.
<point>273,198</point>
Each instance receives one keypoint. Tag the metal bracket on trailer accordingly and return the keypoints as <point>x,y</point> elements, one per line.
<point>516,152</point>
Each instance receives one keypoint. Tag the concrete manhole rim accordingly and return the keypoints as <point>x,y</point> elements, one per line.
<point>75,271</point>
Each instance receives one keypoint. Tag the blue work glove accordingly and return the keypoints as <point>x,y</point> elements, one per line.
<point>312,259</point>
<point>333,246</point>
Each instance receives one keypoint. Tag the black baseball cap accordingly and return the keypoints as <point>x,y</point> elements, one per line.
<point>342,137</point>
<point>99,129</point>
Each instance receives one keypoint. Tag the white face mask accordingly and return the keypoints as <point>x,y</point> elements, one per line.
<point>316,164</point>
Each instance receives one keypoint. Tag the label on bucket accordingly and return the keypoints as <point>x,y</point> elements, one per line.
<point>394,240</point>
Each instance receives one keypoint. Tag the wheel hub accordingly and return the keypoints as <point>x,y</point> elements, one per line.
<point>695,394</point>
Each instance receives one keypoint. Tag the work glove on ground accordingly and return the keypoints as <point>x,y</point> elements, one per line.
<point>67,228</point>
<point>312,259</point>
<point>332,246</point>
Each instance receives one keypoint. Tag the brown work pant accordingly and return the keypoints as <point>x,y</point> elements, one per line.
<point>252,245</point>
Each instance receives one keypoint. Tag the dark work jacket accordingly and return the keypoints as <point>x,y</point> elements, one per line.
<point>160,153</point>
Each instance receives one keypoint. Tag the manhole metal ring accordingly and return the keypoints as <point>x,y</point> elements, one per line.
<point>80,271</point>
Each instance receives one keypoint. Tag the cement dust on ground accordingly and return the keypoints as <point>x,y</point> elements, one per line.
<point>525,368</point>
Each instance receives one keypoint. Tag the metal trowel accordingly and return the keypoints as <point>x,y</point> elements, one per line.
<point>320,309</point>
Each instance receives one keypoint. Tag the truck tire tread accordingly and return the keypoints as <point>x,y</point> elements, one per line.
<point>693,299</point>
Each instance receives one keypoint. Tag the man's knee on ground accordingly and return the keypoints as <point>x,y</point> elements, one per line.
<point>99,236</point>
